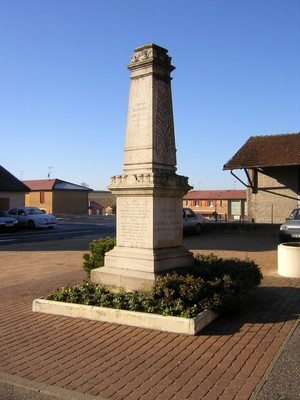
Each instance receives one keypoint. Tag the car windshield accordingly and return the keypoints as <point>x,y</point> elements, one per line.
<point>295,214</point>
<point>34,211</point>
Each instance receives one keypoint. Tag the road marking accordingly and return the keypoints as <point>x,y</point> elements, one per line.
<point>49,235</point>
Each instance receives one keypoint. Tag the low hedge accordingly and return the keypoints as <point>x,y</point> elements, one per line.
<point>221,285</point>
<point>98,248</point>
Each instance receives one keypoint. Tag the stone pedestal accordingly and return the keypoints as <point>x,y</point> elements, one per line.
<point>149,192</point>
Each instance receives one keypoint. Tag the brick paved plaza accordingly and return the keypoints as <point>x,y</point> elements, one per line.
<point>227,360</point>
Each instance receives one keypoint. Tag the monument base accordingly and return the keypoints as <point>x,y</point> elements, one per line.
<point>137,269</point>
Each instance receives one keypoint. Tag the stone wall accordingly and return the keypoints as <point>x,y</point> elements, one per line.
<point>277,195</point>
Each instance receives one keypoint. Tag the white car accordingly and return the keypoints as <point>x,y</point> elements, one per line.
<point>290,229</point>
<point>192,222</point>
<point>32,217</point>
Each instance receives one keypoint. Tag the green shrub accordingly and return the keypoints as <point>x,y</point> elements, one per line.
<point>95,258</point>
<point>222,285</point>
<point>235,279</point>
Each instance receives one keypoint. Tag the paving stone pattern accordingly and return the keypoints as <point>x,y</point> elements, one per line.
<point>227,360</point>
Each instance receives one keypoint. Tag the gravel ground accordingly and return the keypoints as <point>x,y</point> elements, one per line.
<point>260,248</point>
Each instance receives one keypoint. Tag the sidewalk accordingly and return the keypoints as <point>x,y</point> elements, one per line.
<point>230,359</point>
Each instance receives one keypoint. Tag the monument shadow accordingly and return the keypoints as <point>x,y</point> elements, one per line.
<point>267,305</point>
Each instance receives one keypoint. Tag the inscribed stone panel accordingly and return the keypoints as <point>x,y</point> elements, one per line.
<point>134,222</point>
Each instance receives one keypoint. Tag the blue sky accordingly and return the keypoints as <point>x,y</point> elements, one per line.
<point>64,82</point>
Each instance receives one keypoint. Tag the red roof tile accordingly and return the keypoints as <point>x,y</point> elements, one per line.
<point>267,151</point>
<point>40,184</point>
<point>216,195</point>
<point>54,184</point>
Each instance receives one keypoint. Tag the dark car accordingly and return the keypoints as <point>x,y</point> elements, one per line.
<point>7,223</point>
<point>290,229</point>
<point>192,222</point>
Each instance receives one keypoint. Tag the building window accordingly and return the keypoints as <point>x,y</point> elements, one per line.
<point>221,203</point>
<point>210,203</point>
<point>196,203</point>
<point>4,203</point>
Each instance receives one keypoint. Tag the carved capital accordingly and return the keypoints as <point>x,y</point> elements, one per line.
<point>151,53</point>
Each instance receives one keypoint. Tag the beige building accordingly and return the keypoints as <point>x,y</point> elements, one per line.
<point>57,197</point>
<point>272,175</point>
<point>218,204</point>
<point>12,191</point>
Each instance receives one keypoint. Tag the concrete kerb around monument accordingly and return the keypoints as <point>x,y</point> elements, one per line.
<point>187,326</point>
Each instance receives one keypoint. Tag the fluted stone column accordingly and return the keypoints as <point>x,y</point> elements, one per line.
<point>149,192</point>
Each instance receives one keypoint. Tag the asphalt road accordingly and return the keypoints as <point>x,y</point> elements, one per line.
<point>14,388</point>
<point>68,227</point>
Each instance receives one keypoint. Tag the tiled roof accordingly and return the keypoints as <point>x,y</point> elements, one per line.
<point>40,184</point>
<point>95,205</point>
<point>62,185</point>
<point>216,195</point>
<point>9,183</point>
<point>54,184</point>
<point>267,151</point>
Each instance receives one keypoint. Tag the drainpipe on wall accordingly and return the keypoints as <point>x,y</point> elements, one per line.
<point>272,213</point>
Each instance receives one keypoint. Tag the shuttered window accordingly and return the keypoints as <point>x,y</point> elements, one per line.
<point>42,197</point>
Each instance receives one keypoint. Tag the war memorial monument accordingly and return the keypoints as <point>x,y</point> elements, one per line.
<point>148,193</point>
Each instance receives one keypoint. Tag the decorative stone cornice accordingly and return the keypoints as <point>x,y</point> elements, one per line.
<point>149,180</point>
<point>151,53</point>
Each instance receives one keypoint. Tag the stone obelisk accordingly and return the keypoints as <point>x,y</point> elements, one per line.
<point>149,192</point>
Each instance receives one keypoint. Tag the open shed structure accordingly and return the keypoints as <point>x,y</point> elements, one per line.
<point>272,175</point>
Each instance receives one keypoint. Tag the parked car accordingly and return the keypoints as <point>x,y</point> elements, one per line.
<point>290,229</point>
<point>32,217</point>
<point>192,222</point>
<point>7,223</point>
